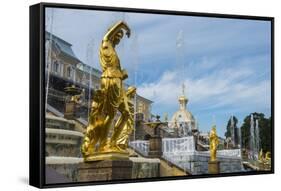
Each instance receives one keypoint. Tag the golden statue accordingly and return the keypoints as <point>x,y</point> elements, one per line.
<point>112,97</point>
<point>260,156</point>
<point>75,93</point>
<point>264,160</point>
<point>268,156</point>
<point>214,141</point>
<point>78,98</point>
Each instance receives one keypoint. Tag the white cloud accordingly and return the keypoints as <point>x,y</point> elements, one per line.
<point>224,88</point>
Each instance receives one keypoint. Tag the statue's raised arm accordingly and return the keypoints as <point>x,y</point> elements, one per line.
<point>117,28</point>
<point>109,60</point>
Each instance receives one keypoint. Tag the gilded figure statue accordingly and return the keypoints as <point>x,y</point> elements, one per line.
<point>214,141</point>
<point>260,156</point>
<point>78,98</point>
<point>110,99</point>
<point>267,158</point>
<point>264,158</point>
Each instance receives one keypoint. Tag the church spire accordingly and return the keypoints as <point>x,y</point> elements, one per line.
<point>182,99</point>
<point>183,88</point>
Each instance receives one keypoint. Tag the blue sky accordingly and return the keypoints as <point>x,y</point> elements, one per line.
<point>224,63</point>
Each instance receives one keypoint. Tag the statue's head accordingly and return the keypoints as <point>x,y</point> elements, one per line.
<point>118,37</point>
<point>213,130</point>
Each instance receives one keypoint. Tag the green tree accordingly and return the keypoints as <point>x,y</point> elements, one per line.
<point>265,131</point>
<point>228,127</point>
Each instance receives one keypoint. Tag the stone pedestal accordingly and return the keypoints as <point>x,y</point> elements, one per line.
<point>70,110</point>
<point>105,170</point>
<point>155,147</point>
<point>108,156</point>
<point>214,167</point>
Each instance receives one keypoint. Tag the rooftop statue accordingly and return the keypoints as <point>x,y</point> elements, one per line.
<point>112,97</point>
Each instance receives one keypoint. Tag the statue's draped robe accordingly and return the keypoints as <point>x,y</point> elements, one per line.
<point>122,142</point>
<point>111,78</point>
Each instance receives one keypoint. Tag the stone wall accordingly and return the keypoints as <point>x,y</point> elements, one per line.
<point>145,168</point>
<point>68,168</point>
<point>199,164</point>
<point>69,171</point>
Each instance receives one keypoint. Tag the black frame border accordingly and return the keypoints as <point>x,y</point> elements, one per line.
<point>37,92</point>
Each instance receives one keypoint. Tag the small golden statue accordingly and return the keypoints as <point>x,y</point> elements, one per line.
<point>78,98</point>
<point>75,93</point>
<point>214,141</point>
<point>112,97</point>
<point>268,156</point>
<point>264,158</point>
<point>261,156</point>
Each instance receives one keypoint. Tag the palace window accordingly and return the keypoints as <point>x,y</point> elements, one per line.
<point>69,72</point>
<point>56,66</point>
<point>84,79</point>
<point>140,107</point>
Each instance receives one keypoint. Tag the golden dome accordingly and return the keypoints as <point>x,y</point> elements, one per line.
<point>182,116</point>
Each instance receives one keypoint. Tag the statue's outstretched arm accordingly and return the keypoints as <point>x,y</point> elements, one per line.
<point>115,29</point>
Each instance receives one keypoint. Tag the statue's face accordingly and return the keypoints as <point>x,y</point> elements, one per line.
<point>116,41</point>
<point>118,37</point>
